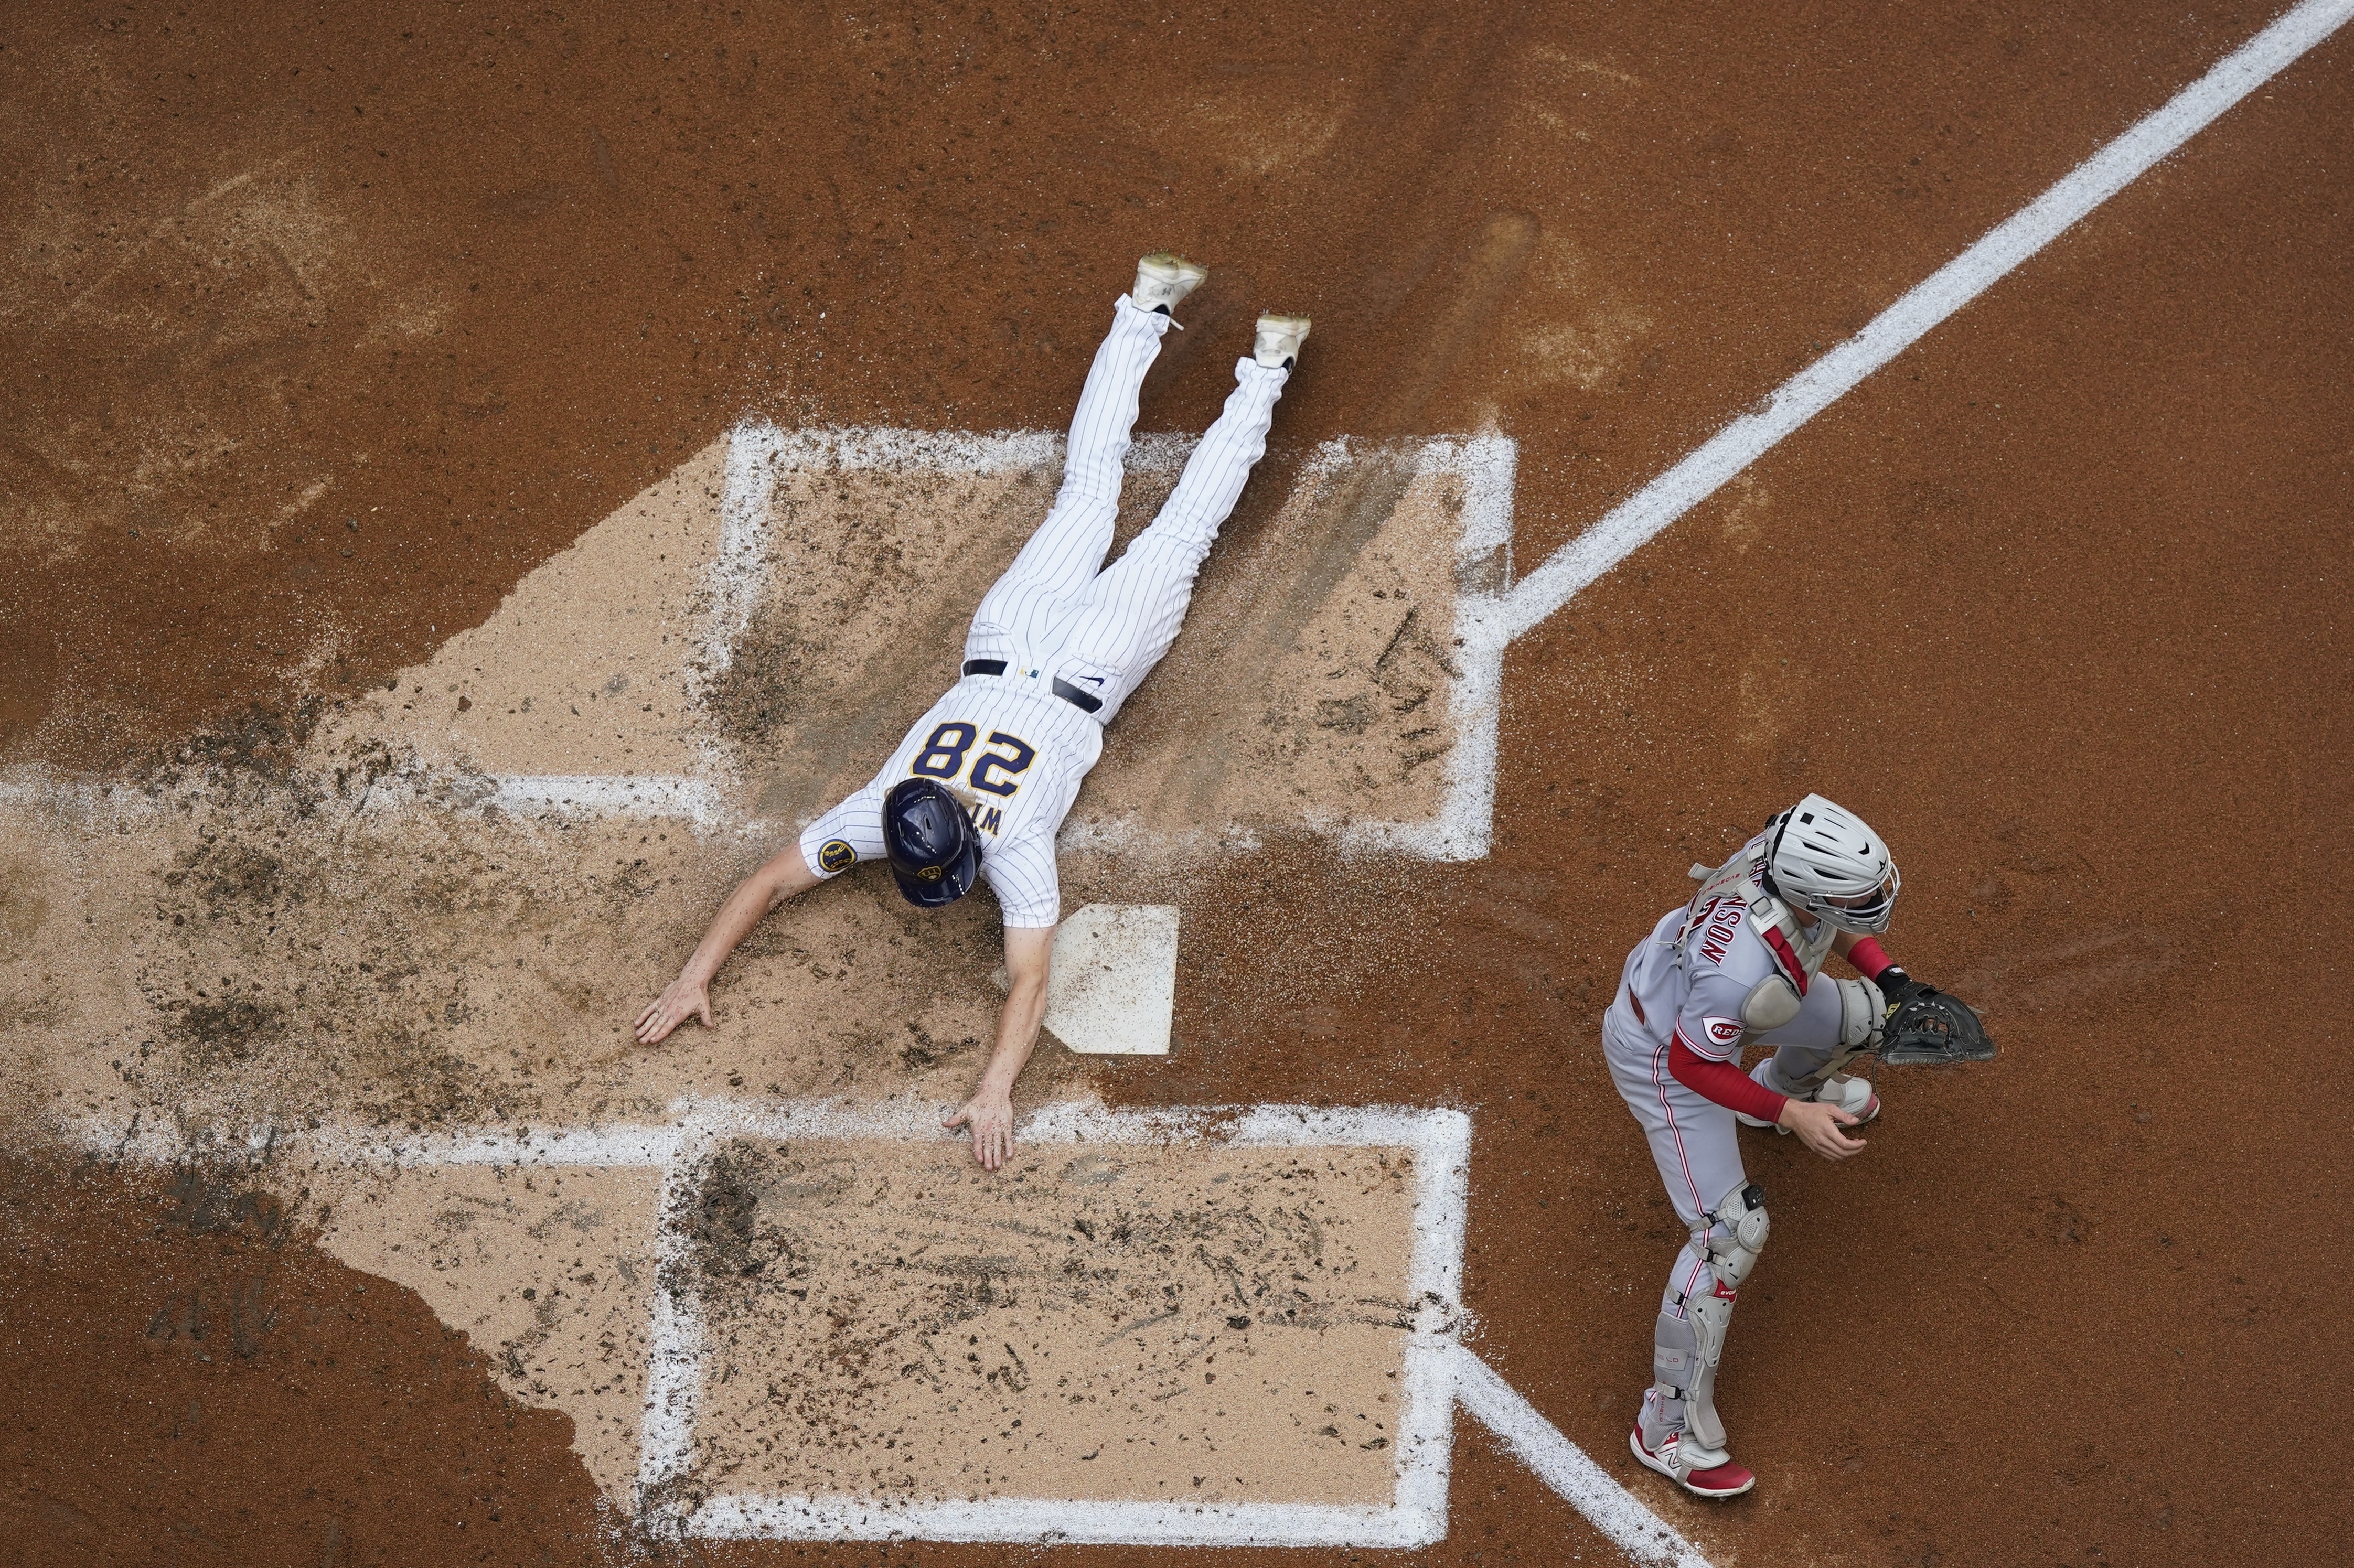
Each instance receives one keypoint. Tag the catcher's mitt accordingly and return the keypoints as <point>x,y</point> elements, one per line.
<point>1926,1026</point>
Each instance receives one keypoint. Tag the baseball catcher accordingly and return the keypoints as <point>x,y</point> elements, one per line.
<point>1742,963</point>
<point>980,785</point>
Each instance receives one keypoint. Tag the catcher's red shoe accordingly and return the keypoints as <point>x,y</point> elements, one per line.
<point>1725,1480</point>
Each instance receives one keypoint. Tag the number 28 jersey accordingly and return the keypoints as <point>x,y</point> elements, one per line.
<point>1015,750</point>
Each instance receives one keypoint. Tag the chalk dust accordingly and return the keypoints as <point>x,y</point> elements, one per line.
<point>549,1272</point>
<point>866,585</point>
<point>1143,1323</point>
<point>1310,688</point>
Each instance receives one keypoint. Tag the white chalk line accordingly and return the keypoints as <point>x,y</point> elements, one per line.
<point>1437,1370</point>
<point>1566,1469</point>
<point>1642,516</point>
<point>1416,1516</point>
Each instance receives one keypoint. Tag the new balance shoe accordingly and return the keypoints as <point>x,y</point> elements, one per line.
<point>1164,280</point>
<point>1277,344</point>
<point>1725,1480</point>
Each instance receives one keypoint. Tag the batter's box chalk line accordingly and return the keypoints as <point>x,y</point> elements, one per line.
<point>761,453</point>
<point>1437,1372</point>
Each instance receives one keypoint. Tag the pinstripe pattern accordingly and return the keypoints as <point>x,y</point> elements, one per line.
<point>1021,618</point>
<point>1057,613</point>
<point>1132,612</point>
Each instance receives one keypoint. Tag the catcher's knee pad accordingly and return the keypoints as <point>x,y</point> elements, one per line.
<point>1733,1253</point>
<point>1708,1313</point>
<point>1863,1009</point>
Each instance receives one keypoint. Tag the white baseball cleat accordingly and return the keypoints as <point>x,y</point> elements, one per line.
<point>1724,1480</point>
<point>1163,279</point>
<point>1277,344</point>
<point>1853,1095</point>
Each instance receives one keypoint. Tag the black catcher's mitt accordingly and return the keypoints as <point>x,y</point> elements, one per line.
<point>1926,1026</point>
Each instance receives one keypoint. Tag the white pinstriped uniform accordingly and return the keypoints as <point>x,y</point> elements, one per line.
<point>1059,614</point>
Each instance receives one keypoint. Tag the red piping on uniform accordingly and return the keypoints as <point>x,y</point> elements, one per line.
<point>1723,1083</point>
<point>1677,1132</point>
<point>1781,946</point>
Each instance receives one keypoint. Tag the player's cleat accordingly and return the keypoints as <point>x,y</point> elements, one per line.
<point>1164,280</point>
<point>1853,1095</point>
<point>1277,344</point>
<point>1725,1480</point>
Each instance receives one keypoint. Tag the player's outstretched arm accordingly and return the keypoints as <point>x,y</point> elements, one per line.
<point>689,996</point>
<point>1029,957</point>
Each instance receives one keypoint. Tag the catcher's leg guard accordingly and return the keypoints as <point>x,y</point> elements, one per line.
<point>1734,1237</point>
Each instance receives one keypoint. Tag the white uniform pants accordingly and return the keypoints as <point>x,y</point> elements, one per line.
<point>1057,610</point>
<point>1695,1141</point>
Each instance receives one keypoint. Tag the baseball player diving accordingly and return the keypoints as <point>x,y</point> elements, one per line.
<point>1742,964</point>
<point>982,781</point>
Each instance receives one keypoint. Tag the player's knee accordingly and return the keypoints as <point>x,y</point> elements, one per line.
<point>1737,1233</point>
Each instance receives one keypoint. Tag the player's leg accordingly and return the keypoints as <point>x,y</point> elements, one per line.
<point>1835,1021</point>
<point>1059,560</point>
<point>1132,612</point>
<point>1677,1431</point>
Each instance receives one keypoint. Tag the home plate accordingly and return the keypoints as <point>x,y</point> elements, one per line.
<point>1113,985</point>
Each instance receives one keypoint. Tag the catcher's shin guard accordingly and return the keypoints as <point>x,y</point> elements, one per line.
<point>1688,1345</point>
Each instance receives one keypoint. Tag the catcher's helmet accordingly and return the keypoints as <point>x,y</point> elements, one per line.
<point>1823,859</point>
<point>933,850</point>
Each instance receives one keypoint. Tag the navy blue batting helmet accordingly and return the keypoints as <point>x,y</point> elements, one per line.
<point>934,853</point>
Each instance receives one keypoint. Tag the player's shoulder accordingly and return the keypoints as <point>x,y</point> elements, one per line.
<point>1724,939</point>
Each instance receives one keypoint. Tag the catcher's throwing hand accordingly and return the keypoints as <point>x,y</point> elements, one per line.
<point>1818,1127</point>
<point>990,1115</point>
<point>682,1001</point>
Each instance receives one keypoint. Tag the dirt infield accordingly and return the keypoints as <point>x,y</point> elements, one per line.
<point>326,331</point>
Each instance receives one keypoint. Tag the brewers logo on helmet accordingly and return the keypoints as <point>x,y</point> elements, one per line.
<point>930,843</point>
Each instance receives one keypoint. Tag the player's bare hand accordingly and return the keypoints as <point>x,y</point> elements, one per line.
<point>990,1115</point>
<point>1818,1127</point>
<point>684,1000</point>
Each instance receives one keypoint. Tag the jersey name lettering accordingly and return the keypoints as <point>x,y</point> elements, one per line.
<point>1722,922</point>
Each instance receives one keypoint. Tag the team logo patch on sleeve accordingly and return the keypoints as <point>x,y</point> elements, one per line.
<point>1723,1031</point>
<point>835,857</point>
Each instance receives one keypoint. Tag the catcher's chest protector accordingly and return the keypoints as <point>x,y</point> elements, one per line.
<point>1798,951</point>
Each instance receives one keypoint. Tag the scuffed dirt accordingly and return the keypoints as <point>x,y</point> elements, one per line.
<point>1123,1322</point>
<point>2056,599</point>
<point>225,953</point>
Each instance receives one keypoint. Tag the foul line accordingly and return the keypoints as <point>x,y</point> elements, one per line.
<point>1660,503</point>
<point>1566,1467</point>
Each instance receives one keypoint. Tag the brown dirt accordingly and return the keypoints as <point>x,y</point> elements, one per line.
<point>2056,599</point>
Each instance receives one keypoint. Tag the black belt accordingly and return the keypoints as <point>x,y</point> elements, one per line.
<point>1085,702</point>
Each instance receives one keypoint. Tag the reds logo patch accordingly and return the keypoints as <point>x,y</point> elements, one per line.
<point>833,857</point>
<point>1723,1031</point>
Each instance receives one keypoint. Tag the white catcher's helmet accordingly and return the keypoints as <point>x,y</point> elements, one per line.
<point>1823,859</point>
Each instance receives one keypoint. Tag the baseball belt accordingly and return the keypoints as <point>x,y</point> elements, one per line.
<point>1085,702</point>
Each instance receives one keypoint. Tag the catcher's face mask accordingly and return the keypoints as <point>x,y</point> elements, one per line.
<point>1865,914</point>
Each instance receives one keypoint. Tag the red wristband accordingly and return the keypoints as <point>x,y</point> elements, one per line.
<point>1868,958</point>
